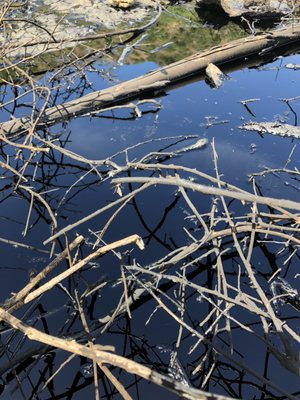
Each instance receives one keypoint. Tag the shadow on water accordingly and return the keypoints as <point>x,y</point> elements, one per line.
<point>205,353</point>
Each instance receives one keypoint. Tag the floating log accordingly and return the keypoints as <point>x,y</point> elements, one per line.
<point>159,79</point>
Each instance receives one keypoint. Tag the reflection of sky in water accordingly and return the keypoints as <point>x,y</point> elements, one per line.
<point>184,111</point>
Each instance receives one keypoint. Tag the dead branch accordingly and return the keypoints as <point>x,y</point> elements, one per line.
<point>272,202</point>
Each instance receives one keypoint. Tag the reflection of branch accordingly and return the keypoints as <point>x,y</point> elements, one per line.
<point>152,232</point>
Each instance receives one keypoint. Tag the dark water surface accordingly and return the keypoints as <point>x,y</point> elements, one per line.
<point>159,217</point>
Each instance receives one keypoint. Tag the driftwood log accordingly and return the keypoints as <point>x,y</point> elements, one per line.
<point>157,80</point>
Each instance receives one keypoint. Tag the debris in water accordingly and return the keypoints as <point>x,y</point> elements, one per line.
<point>289,295</point>
<point>87,370</point>
<point>245,104</point>
<point>215,75</point>
<point>253,148</point>
<point>274,128</point>
<point>293,66</point>
<point>212,120</point>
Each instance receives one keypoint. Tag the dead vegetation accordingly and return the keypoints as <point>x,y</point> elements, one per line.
<point>210,287</point>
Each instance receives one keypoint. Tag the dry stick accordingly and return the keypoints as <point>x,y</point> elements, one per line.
<point>34,90</point>
<point>102,250</point>
<point>107,162</point>
<point>100,355</point>
<point>194,209</point>
<point>62,365</point>
<point>209,329</point>
<point>21,61</point>
<point>280,227</point>
<point>125,292</point>
<point>161,77</point>
<point>95,213</point>
<point>34,118</point>
<point>179,138</point>
<point>69,257</point>
<point>76,59</point>
<point>118,385</point>
<point>23,168</point>
<point>219,260</point>
<point>177,167</point>
<point>252,236</point>
<point>16,301</point>
<point>90,342</point>
<point>6,8</point>
<point>272,170</point>
<point>71,187</point>
<point>108,223</point>
<point>121,308</point>
<point>138,165</point>
<point>24,146</point>
<point>137,112</point>
<point>182,310</point>
<point>14,171</point>
<point>201,289</point>
<point>28,215</point>
<point>243,196</point>
<point>222,284</point>
<point>185,251</point>
<point>248,228</point>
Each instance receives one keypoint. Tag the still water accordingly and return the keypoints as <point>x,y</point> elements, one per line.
<point>194,110</point>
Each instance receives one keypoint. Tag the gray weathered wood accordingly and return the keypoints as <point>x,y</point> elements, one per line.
<point>274,128</point>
